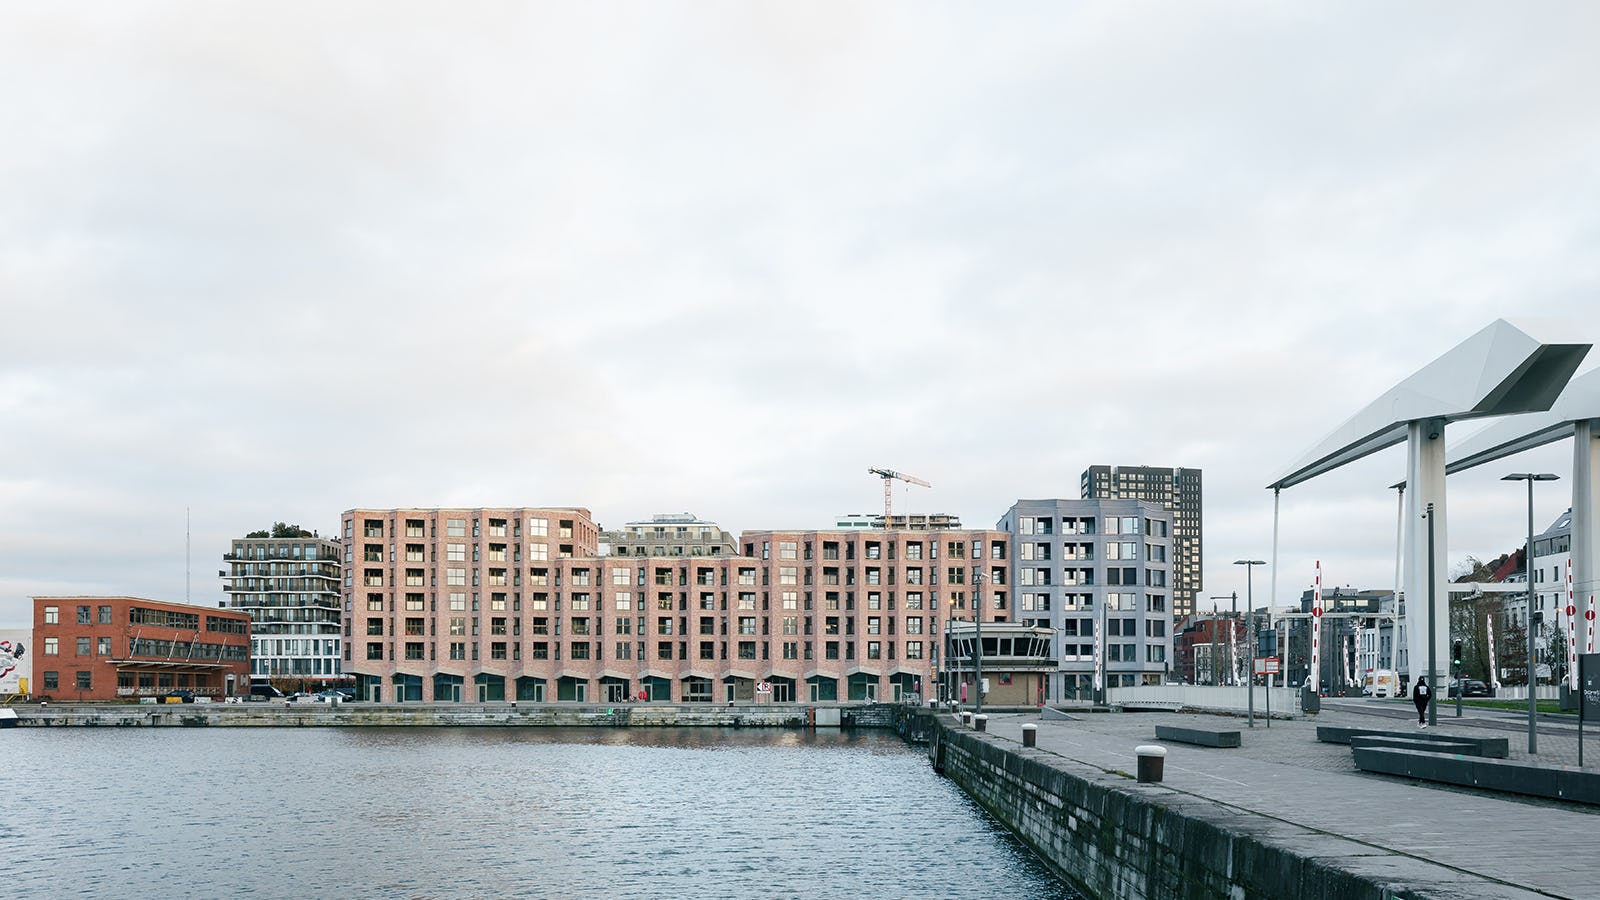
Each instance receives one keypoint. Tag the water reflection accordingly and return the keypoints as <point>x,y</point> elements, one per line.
<point>457,812</point>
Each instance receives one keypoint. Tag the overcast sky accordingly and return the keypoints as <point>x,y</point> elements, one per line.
<point>274,261</point>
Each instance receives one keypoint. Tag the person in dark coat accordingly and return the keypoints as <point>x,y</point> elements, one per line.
<point>1419,695</point>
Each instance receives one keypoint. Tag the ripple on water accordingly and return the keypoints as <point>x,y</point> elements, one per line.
<point>420,812</point>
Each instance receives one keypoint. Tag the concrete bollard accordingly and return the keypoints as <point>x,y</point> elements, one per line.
<point>1152,759</point>
<point>966,720</point>
<point>981,723</point>
<point>1030,735</point>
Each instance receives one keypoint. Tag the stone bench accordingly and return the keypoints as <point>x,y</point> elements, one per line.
<point>1465,748</point>
<point>1205,737</point>
<point>1491,747</point>
<point>1555,782</point>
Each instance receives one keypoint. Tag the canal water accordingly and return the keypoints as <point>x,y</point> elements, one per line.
<point>457,812</point>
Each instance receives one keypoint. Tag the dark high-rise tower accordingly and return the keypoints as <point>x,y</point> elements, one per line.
<point>1177,490</point>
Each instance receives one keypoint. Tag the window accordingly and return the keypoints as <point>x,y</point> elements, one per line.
<point>375,626</point>
<point>84,644</point>
<point>83,615</point>
<point>788,550</point>
<point>105,615</point>
<point>52,646</point>
<point>52,680</point>
<point>104,648</point>
<point>374,650</point>
<point>788,575</point>
<point>85,681</point>
<point>913,649</point>
<point>413,650</point>
<point>538,527</point>
<point>455,527</point>
<point>52,615</point>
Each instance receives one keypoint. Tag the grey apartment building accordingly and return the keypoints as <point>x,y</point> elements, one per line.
<point>1089,568</point>
<point>290,587</point>
<point>1178,492</point>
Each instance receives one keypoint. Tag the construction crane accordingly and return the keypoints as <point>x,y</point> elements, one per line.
<point>889,476</point>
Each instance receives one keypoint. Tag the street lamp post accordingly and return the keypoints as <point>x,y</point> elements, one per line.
<point>1527,566</point>
<point>1250,608</point>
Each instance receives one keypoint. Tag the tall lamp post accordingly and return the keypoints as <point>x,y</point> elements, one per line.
<point>1530,478</point>
<point>1250,609</point>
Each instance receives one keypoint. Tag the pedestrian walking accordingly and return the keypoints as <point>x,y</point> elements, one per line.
<point>1419,696</point>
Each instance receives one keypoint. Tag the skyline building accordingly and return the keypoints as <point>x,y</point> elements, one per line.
<point>669,534</point>
<point>1179,492</point>
<point>290,587</point>
<point>1099,573</point>
<point>125,648</point>
<point>517,604</point>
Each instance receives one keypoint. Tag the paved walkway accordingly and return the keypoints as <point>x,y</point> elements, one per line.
<point>1474,844</point>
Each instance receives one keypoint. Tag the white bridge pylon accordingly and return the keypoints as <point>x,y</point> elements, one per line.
<point>1504,369</point>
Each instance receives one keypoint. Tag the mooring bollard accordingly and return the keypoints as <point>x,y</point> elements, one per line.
<point>1152,760</point>
<point>1030,735</point>
<point>966,720</point>
<point>980,722</point>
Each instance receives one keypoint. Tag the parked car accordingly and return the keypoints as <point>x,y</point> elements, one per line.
<point>265,692</point>
<point>176,697</point>
<point>332,694</point>
<point>1470,687</point>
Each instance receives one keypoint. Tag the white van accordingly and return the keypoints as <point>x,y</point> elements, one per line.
<point>1382,683</point>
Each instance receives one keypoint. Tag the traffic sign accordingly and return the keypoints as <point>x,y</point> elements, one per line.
<point>1317,612</point>
<point>1589,614</point>
<point>1571,610</point>
<point>1267,665</point>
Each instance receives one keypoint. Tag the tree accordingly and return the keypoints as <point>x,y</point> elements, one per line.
<point>281,530</point>
<point>1512,648</point>
<point>1469,624</point>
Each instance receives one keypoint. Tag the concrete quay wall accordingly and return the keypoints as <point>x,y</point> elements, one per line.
<point>1118,839</point>
<point>281,715</point>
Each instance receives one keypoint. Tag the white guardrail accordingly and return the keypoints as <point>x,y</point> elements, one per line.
<point>1209,697</point>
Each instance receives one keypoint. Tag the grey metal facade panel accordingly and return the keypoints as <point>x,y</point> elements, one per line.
<point>1098,510</point>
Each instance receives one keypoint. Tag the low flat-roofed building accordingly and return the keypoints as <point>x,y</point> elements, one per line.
<point>1017,661</point>
<point>125,648</point>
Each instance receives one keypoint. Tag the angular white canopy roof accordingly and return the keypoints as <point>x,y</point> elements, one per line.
<point>1505,368</point>
<point>1579,402</point>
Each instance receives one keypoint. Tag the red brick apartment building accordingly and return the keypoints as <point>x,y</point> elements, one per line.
<point>516,604</point>
<point>124,648</point>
